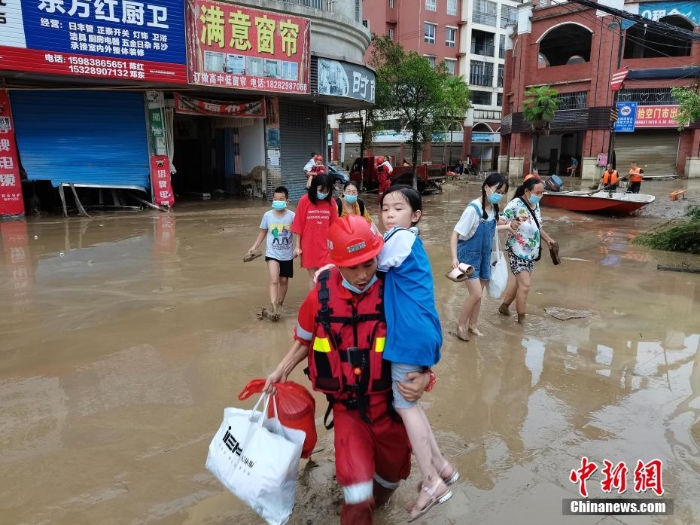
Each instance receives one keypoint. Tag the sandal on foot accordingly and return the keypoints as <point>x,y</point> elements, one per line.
<point>436,496</point>
<point>252,255</point>
<point>461,273</point>
<point>503,309</point>
<point>462,333</point>
<point>474,330</point>
<point>451,478</point>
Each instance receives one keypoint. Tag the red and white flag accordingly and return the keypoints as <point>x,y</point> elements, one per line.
<point>617,79</point>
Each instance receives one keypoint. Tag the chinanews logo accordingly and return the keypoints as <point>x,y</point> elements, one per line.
<point>645,477</point>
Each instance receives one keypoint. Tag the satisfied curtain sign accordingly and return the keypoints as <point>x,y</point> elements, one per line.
<point>11,202</point>
<point>233,46</point>
<point>142,40</point>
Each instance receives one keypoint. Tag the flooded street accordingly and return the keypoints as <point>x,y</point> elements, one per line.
<point>123,337</point>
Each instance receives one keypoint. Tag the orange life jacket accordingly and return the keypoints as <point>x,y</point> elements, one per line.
<point>610,178</point>
<point>346,352</point>
<point>635,175</point>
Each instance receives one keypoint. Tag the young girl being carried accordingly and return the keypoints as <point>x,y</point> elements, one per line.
<point>414,334</point>
<point>471,243</point>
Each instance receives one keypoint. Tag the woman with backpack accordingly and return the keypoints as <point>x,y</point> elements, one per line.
<point>350,204</point>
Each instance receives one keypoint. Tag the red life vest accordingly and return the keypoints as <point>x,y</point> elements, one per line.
<point>346,352</point>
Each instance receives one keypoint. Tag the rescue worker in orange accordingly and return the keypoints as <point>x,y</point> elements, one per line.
<point>341,332</point>
<point>384,170</point>
<point>635,178</point>
<point>610,178</point>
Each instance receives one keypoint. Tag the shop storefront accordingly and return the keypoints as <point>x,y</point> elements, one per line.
<point>73,76</point>
<point>653,144</point>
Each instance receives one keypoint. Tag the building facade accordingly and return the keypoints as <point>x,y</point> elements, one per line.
<point>577,50</point>
<point>172,97</point>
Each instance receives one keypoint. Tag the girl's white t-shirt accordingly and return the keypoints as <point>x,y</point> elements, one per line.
<point>469,221</point>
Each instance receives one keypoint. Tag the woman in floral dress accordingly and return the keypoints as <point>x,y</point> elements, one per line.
<point>524,245</point>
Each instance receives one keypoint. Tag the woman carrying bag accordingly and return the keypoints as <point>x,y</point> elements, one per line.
<point>524,245</point>
<point>471,243</point>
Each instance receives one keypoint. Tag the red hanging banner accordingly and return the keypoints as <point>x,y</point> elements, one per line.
<point>11,202</point>
<point>197,106</point>
<point>160,180</point>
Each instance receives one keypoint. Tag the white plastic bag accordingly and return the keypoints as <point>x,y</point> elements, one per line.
<point>499,271</point>
<point>257,459</point>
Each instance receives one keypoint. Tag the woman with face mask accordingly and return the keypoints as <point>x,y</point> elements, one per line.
<point>524,245</point>
<point>471,243</point>
<point>350,204</point>
<point>315,213</point>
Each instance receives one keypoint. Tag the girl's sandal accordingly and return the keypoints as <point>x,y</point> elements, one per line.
<point>435,497</point>
<point>474,330</point>
<point>451,478</point>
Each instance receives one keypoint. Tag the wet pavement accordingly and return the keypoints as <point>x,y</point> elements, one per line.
<point>123,337</point>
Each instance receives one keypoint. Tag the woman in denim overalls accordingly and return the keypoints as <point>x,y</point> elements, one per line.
<point>471,243</point>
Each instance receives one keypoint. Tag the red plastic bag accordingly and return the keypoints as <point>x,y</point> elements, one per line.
<point>296,408</point>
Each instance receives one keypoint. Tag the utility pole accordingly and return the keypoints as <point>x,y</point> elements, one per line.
<point>617,23</point>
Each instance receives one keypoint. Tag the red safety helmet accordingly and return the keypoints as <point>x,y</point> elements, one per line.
<point>351,241</point>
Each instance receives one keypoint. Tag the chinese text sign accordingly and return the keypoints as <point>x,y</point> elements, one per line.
<point>657,116</point>
<point>233,46</point>
<point>626,114</point>
<point>160,181</point>
<point>11,201</point>
<point>141,40</point>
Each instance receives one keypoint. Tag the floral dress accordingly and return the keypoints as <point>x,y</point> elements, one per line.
<point>524,243</point>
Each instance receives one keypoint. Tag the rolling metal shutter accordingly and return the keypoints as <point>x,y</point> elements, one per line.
<point>302,128</point>
<point>653,151</point>
<point>82,137</point>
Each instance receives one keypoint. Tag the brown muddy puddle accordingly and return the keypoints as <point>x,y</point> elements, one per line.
<point>122,339</point>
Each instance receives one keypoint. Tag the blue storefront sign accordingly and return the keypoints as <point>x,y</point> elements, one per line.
<point>626,117</point>
<point>658,10</point>
<point>115,39</point>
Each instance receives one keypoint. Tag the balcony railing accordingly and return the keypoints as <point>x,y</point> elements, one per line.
<point>485,19</point>
<point>486,50</point>
<point>481,79</point>
<point>501,52</point>
<point>322,5</point>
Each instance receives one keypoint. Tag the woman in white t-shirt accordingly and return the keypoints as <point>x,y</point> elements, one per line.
<point>471,243</point>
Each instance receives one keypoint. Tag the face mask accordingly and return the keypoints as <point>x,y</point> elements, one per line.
<point>355,289</point>
<point>534,199</point>
<point>351,199</point>
<point>279,205</point>
<point>495,198</point>
<point>320,196</point>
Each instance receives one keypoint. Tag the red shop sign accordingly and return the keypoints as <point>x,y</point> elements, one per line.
<point>160,179</point>
<point>197,106</point>
<point>237,47</point>
<point>11,202</point>
<point>656,117</point>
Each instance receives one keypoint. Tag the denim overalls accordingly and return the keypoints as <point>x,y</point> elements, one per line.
<point>477,249</point>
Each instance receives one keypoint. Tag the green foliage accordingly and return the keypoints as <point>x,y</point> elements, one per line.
<point>539,107</point>
<point>422,97</point>
<point>688,105</point>
<point>680,238</point>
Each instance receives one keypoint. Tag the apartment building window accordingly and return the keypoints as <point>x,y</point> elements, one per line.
<point>451,7</point>
<point>575,100</point>
<point>391,32</point>
<point>358,10</point>
<point>482,98</point>
<point>391,4</point>
<point>501,67</point>
<point>485,12</point>
<point>431,60</point>
<point>482,43</point>
<point>509,15</point>
<point>499,99</point>
<point>480,73</point>
<point>450,65</point>
<point>431,5</point>
<point>429,33</point>
<point>451,36</point>
<point>502,47</point>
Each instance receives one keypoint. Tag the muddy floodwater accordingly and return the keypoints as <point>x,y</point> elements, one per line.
<point>123,337</point>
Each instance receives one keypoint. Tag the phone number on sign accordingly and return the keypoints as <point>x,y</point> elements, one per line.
<point>96,62</point>
<point>101,71</point>
<point>283,85</point>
